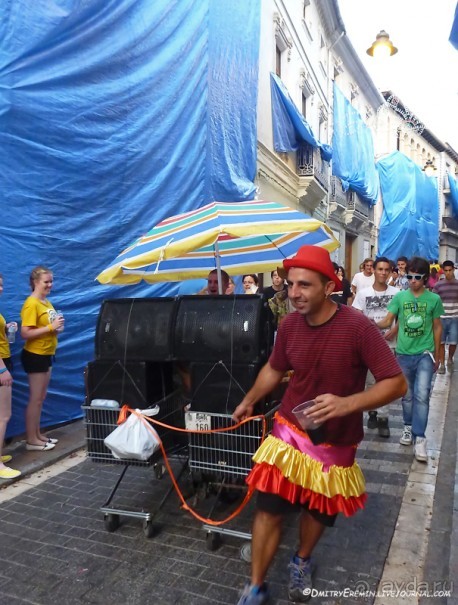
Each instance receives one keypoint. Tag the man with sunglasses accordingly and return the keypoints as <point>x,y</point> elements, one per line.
<point>448,291</point>
<point>418,312</point>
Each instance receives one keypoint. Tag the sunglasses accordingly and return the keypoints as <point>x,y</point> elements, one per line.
<point>416,276</point>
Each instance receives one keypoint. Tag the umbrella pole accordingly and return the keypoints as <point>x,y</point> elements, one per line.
<point>218,268</point>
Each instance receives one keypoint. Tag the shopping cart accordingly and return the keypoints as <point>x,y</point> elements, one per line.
<point>101,421</point>
<point>224,459</point>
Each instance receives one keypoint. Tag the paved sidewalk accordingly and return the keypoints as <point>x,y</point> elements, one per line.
<point>55,546</point>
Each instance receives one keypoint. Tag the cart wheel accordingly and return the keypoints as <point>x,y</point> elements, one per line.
<point>213,541</point>
<point>245,552</point>
<point>111,522</point>
<point>148,529</point>
<point>159,470</point>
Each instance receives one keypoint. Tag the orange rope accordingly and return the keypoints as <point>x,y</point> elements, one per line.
<point>123,416</point>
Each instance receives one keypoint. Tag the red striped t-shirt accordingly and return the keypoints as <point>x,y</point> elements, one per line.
<point>331,358</point>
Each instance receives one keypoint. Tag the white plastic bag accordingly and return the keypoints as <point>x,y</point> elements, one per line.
<point>134,439</point>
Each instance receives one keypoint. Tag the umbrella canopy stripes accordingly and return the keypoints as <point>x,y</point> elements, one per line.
<point>240,237</point>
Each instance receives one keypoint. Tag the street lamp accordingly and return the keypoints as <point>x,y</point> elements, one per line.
<point>382,47</point>
<point>429,168</point>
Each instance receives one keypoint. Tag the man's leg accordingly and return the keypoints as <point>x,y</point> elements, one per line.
<point>408,365</point>
<point>311,531</point>
<point>301,568</point>
<point>422,392</point>
<point>266,534</point>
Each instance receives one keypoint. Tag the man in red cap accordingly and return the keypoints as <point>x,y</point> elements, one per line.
<point>330,347</point>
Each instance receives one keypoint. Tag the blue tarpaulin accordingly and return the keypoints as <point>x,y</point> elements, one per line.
<point>410,218</point>
<point>290,129</point>
<point>453,195</point>
<point>114,114</point>
<point>353,151</point>
<point>453,39</point>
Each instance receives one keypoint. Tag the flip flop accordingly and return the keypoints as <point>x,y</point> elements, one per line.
<point>6,458</point>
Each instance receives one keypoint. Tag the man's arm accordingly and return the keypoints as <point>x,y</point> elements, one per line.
<point>267,380</point>
<point>329,406</point>
<point>386,322</point>
<point>437,331</point>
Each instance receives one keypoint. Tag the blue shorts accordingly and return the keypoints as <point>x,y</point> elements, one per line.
<point>449,330</point>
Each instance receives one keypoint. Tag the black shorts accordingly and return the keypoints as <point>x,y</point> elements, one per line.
<point>34,363</point>
<point>8,363</point>
<point>276,505</point>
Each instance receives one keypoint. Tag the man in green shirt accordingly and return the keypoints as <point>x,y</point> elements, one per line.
<point>418,312</point>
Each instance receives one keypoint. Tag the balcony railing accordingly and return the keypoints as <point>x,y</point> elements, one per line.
<point>310,163</point>
<point>361,209</point>
<point>337,195</point>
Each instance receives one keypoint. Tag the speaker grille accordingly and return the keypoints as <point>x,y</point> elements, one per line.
<point>218,388</point>
<point>137,383</point>
<point>136,329</point>
<point>228,328</point>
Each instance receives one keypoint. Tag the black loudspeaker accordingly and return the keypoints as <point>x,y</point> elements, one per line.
<point>229,328</point>
<point>218,388</point>
<point>137,383</point>
<point>136,329</point>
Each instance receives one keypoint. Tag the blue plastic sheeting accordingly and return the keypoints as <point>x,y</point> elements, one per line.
<point>410,218</point>
<point>453,39</point>
<point>290,128</point>
<point>353,151</point>
<point>114,114</point>
<point>453,195</point>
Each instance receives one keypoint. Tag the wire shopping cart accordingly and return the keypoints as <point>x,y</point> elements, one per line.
<point>224,459</point>
<point>101,421</point>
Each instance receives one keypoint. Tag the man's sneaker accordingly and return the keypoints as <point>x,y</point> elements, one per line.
<point>441,369</point>
<point>420,449</point>
<point>383,428</point>
<point>406,437</point>
<point>300,580</point>
<point>253,595</point>
<point>372,420</point>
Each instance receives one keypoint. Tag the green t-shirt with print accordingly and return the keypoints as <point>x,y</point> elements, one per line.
<point>415,316</point>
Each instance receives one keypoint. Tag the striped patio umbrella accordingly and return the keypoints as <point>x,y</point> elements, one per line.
<point>241,237</point>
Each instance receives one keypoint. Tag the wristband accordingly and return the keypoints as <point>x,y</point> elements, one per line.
<point>3,370</point>
<point>50,328</point>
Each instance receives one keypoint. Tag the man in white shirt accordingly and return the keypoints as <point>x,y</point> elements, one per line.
<point>373,302</point>
<point>365,278</point>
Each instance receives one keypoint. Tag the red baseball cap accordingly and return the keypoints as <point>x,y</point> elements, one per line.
<point>317,259</point>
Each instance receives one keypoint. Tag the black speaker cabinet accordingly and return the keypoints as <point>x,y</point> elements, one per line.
<point>137,383</point>
<point>219,388</point>
<point>234,329</point>
<point>136,329</point>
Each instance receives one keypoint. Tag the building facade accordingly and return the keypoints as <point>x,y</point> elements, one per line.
<point>304,43</point>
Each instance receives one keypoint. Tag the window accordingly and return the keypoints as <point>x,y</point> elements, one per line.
<point>278,61</point>
<point>304,105</point>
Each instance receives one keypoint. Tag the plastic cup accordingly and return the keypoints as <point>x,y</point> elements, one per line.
<point>12,334</point>
<point>308,424</point>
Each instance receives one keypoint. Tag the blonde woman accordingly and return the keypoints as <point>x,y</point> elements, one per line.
<point>6,383</point>
<point>40,328</point>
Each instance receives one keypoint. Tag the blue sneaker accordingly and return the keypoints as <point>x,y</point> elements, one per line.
<point>300,580</point>
<point>253,595</point>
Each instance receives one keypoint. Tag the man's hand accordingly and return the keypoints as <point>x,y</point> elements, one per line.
<point>242,411</point>
<point>328,406</point>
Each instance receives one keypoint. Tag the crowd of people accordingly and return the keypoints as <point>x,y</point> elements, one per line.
<point>40,328</point>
